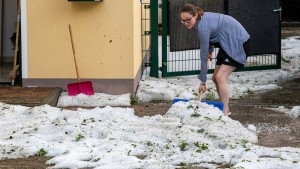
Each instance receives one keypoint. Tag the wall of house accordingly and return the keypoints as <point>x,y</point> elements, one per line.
<point>106,39</point>
<point>137,36</point>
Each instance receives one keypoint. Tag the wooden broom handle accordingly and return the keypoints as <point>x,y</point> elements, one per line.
<point>17,42</point>
<point>200,95</point>
<point>73,49</point>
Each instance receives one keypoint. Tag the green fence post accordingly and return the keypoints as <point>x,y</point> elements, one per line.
<point>164,36</point>
<point>154,37</point>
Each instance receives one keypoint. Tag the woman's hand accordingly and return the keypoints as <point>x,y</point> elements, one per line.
<point>202,87</point>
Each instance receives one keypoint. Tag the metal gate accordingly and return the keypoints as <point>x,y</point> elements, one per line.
<point>265,38</point>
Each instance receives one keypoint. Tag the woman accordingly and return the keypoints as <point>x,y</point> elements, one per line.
<point>221,31</point>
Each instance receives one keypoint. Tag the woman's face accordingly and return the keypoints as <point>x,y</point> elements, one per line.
<point>188,20</point>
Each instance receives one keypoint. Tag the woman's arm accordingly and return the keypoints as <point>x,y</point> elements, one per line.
<point>204,54</point>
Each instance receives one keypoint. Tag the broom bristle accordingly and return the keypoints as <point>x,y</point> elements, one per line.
<point>13,73</point>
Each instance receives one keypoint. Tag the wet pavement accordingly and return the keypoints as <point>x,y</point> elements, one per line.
<point>288,96</point>
<point>275,128</point>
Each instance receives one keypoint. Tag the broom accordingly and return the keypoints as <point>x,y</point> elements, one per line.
<point>13,73</point>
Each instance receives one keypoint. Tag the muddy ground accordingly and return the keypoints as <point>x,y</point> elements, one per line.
<point>275,128</point>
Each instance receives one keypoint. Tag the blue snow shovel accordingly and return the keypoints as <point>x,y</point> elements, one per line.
<point>219,105</point>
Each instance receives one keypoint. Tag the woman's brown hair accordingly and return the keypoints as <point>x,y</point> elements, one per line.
<point>193,10</point>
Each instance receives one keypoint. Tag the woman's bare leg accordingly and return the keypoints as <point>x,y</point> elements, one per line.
<point>220,78</point>
<point>217,67</point>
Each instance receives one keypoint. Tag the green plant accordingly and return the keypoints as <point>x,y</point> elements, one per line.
<point>244,142</point>
<point>65,119</point>
<point>240,167</point>
<point>149,143</point>
<point>182,164</point>
<point>195,114</point>
<point>133,100</point>
<point>41,152</point>
<point>156,101</point>
<point>199,151</point>
<point>96,160</point>
<point>208,118</point>
<point>79,137</point>
<point>183,145</point>
<point>201,130</point>
<point>190,107</point>
<point>210,95</point>
<point>282,158</point>
<point>202,146</point>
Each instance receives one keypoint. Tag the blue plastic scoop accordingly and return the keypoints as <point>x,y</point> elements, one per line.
<point>219,105</point>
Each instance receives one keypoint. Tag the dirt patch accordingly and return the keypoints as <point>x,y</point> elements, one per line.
<point>151,109</point>
<point>25,163</point>
<point>29,96</point>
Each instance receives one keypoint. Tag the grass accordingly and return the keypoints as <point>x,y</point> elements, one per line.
<point>210,96</point>
<point>41,152</point>
<point>183,145</point>
<point>79,137</point>
<point>201,130</point>
<point>156,101</point>
<point>195,114</point>
<point>133,100</point>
